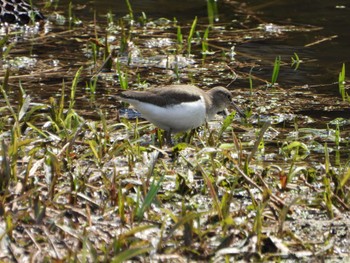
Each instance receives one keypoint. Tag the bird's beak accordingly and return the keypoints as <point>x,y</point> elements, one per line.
<point>239,110</point>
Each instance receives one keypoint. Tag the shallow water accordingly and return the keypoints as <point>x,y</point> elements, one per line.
<point>321,61</point>
<point>258,30</point>
<point>327,56</point>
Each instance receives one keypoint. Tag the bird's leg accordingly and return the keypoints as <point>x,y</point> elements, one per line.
<point>167,135</point>
<point>189,135</point>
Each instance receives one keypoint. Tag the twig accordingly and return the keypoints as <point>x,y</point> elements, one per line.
<point>321,40</point>
<point>274,198</point>
<point>52,244</point>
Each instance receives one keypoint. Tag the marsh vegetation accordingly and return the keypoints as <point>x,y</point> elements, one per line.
<point>85,178</point>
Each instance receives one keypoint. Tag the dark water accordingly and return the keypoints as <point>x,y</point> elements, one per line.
<point>321,62</point>
<point>331,16</point>
<point>322,51</point>
<point>60,52</point>
<point>152,8</point>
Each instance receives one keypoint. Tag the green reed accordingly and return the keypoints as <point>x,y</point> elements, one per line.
<point>276,70</point>
<point>212,9</point>
<point>190,36</point>
<point>341,84</point>
<point>179,40</point>
<point>131,12</point>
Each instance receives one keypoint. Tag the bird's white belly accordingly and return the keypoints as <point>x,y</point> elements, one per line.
<point>175,118</point>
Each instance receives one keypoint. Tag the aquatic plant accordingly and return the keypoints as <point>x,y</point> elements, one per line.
<point>190,36</point>
<point>131,12</point>
<point>341,84</point>
<point>295,61</point>
<point>276,69</point>
<point>123,77</point>
<point>212,10</point>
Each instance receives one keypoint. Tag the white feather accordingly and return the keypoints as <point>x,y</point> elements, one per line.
<point>175,118</point>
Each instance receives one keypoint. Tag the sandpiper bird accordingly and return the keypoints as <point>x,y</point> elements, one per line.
<point>18,12</point>
<point>178,108</point>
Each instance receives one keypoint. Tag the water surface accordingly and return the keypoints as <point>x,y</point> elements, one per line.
<point>323,51</point>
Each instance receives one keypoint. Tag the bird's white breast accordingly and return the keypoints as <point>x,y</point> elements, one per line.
<point>175,118</point>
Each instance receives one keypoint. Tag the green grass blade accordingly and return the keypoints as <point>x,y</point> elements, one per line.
<point>24,108</point>
<point>5,168</point>
<point>130,253</point>
<point>259,139</point>
<point>179,40</point>
<point>341,83</point>
<point>74,87</point>
<point>131,12</point>
<point>227,122</point>
<point>212,10</point>
<point>3,88</point>
<point>155,186</point>
<point>205,41</point>
<point>123,78</point>
<point>190,36</point>
<point>276,69</point>
<point>345,178</point>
